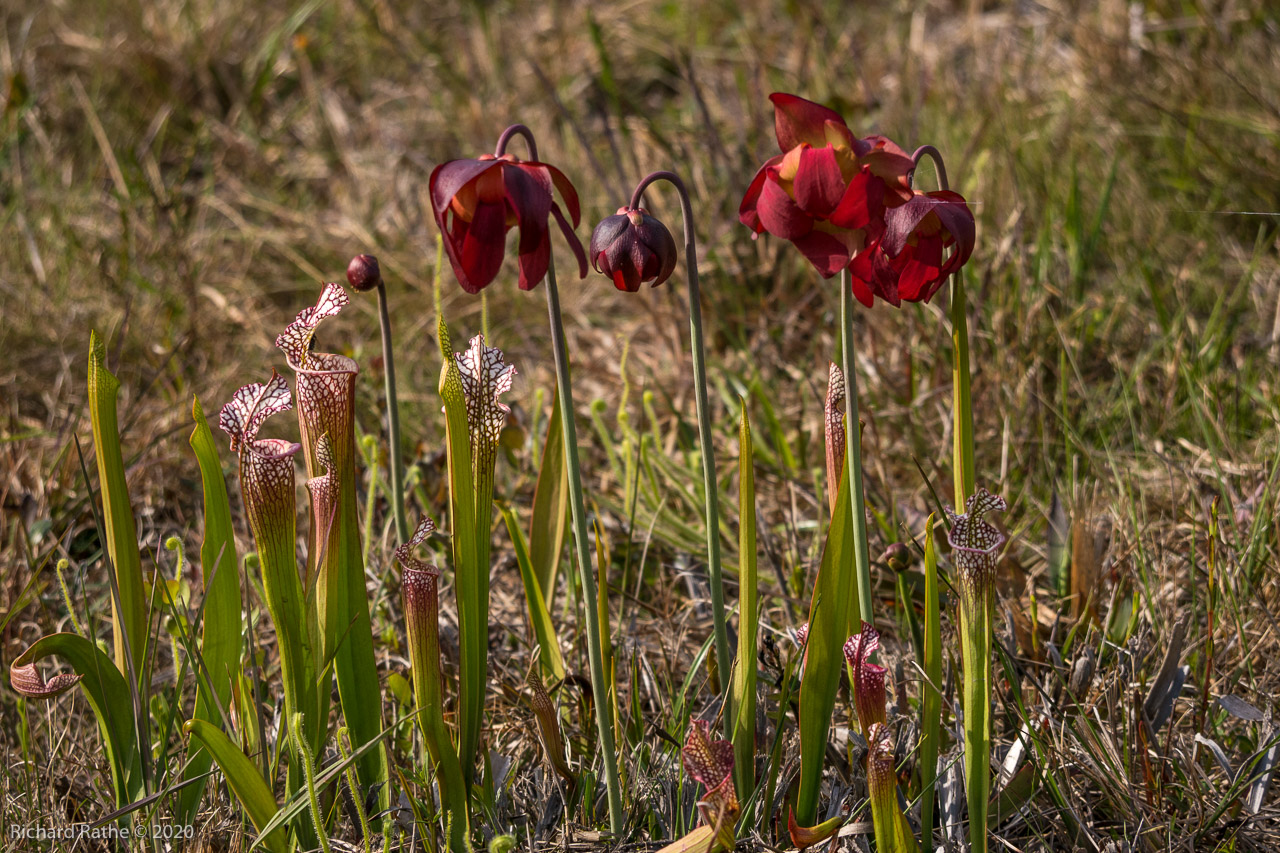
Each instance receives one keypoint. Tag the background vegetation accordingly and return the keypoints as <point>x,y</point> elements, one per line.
<point>181,175</point>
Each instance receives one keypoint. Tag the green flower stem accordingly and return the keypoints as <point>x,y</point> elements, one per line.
<point>599,686</point>
<point>564,392</point>
<point>710,496</point>
<point>931,713</point>
<point>853,450</point>
<point>961,410</point>
<point>977,601</point>
<point>976,606</point>
<point>395,463</point>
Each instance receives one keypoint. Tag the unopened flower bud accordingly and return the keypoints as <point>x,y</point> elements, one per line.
<point>632,247</point>
<point>897,557</point>
<point>363,273</point>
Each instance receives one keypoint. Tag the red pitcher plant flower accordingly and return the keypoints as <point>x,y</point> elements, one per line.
<point>911,261</point>
<point>476,202</point>
<point>827,191</point>
<point>325,384</point>
<point>632,247</point>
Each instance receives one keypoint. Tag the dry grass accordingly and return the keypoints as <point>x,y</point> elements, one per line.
<point>181,175</point>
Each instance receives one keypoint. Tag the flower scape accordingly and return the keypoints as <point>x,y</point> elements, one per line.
<point>835,428</point>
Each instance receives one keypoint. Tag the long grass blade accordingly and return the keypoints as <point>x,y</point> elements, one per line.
<point>544,629</point>
<point>550,520</point>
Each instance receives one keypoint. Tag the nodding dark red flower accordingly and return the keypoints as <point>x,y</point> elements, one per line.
<point>363,273</point>
<point>827,192</point>
<point>632,247</point>
<point>910,262</point>
<point>477,201</point>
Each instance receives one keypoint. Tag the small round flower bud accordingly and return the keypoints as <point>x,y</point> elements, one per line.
<point>897,557</point>
<point>363,273</point>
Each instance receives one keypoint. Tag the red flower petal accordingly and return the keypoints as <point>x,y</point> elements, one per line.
<point>567,192</point>
<point>448,178</point>
<point>827,254</point>
<point>889,162</point>
<point>779,214</point>
<point>796,120</point>
<point>574,242</point>
<point>862,204</point>
<point>819,186</point>
<point>747,214</point>
<point>477,247</point>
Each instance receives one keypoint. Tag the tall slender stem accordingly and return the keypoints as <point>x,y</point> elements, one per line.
<point>961,409</point>
<point>599,686</point>
<point>564,391</point>
<point>853,450</point>
<point>711,497</point>
<point>977,603</point>
<point>393,419</point>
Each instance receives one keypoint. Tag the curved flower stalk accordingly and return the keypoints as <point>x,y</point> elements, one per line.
<point>325,385</point>
<point>421,597</point>
<point>975,543</point>
<point>635,247</point>
<point>893,833</point>
<point>473,230</point>
<point>363,274</point>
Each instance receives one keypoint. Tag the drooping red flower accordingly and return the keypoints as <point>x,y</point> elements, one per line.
<point>632,247</point>
<point>828,191</point>
<point>910,261</point>
<point>476,202</point>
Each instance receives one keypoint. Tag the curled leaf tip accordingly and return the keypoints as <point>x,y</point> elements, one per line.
<point>295,340</point>
<point>484,377</point>
<point>250,406</point>
<point>974,540</point>
<point>404,553</point>
<point>27,681</point>
<point>711,763</point>
<point>869,693</point>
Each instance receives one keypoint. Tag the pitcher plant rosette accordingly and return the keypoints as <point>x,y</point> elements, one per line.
<point>325,384</point>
